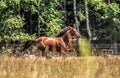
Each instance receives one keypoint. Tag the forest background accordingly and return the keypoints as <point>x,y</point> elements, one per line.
<point>22,20</point>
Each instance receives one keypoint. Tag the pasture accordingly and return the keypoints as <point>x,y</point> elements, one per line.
<point>59,67</point>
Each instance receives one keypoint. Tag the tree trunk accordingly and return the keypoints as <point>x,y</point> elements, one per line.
<point>75,15</point>
<point>38,23</point>
<point>31,20</point>
<point>65,16</point>
<point>87,20</point>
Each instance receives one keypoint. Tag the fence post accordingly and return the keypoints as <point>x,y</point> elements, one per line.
<point>115,47</point>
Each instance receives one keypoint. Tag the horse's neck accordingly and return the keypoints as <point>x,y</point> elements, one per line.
<point>66,38</point>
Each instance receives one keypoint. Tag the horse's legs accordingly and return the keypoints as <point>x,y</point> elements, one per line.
<point>44,53</point>
<point>63,52</point>
<point>33,50</point>
<point>73,51</point>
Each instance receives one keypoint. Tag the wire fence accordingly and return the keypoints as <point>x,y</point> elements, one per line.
<point>99,49</point>
<point>96,49</point>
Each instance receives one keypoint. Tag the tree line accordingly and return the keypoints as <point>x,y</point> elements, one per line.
<point>22,20</point>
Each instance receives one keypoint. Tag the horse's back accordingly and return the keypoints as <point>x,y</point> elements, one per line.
<point>43,38</point>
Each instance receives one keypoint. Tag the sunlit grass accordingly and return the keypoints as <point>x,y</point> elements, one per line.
<point>70,67</point>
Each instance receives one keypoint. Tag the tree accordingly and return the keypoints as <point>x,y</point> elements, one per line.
<point>51,18</point>
<point>75,15</point>
<point>87,20</point>
<point>110,14</point>
<point>11,23</point>
<point>20,18</point>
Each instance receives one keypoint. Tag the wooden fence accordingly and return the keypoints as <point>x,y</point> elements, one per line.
<point>96,49</point>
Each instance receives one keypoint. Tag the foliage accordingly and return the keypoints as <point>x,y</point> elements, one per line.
<point>51,17</point>
<point>13,18</point>
<point>11,23</point>
<point>104,18</point>
<point>83,43</point>
<point>19,19</point>
<point>110,14</point>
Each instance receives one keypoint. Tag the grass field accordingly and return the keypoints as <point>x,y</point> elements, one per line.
<point>57,67</point>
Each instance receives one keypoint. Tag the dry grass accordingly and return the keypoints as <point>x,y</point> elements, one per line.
<point>70,67</point>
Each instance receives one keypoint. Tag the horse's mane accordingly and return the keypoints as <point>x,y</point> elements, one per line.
<point>63,31</point>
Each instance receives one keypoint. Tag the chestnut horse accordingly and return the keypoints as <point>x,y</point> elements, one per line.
<point>47,43</point>
<point>67,34</point>
<point>59,43</point>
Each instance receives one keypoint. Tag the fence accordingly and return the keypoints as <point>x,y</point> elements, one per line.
<point>96,49</point>
<point>99,49</point>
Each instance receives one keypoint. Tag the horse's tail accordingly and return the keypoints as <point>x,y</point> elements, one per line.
<point>28,44</point>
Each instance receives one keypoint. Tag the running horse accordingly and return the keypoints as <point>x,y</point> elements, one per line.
<point>67,34</point>
<point>58,43</point>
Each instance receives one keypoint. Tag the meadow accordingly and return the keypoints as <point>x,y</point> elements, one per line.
<point>59,67</point>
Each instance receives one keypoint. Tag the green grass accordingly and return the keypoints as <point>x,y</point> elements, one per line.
<point>57,67</point>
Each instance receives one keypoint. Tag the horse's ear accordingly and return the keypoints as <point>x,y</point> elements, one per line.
<point>68,26</point>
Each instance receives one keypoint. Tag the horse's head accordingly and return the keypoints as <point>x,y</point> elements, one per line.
<point>74,32</point>
<point>63,31</point>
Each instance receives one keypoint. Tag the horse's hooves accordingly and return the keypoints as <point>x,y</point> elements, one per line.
<point>48,57</point>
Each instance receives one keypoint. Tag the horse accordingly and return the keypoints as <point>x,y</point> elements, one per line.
<point>67,34</point>
<point>60,42</point>
<point>47,43</point>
